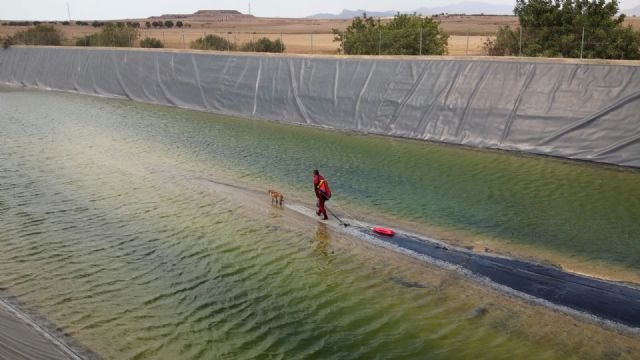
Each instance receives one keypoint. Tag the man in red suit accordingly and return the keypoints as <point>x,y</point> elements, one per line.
<point>323,193</point>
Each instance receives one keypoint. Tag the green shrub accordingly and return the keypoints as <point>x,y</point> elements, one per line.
<point>212,42</point>
<point>39,35</point>
<point>264,45</point>
<point>117,35</point>
<point>404,35</point>
<point>149,42</point>
<point>506,43</point>
<point>6,42</point>
<point>89,40</point>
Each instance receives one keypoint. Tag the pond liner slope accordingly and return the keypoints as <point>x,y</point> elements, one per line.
<point>614,302</point>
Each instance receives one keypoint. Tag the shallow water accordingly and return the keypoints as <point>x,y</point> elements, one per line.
<point>114,225</point>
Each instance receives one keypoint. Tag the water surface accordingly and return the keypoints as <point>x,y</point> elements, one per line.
<point>114,226</point>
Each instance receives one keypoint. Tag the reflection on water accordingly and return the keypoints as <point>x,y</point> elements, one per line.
<point>322,239</point>
<point>112,226</point>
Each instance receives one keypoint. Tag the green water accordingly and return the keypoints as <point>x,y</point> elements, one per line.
<point>112,227</point>
<point>580,210</point>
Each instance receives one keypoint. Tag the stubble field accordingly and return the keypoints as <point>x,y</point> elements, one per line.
<point>301,36</point>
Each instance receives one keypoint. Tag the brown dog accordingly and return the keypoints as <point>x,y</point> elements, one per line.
<point>276,196</point>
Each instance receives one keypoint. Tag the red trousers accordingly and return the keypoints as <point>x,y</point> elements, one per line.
<point>320,204</point>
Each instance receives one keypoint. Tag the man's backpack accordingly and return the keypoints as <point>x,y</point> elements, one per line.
<point>324,189</point>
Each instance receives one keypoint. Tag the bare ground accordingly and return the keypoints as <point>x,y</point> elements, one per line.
<point>302,36</point>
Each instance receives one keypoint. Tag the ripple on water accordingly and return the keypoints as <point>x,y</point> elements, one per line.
<point>111,227</point>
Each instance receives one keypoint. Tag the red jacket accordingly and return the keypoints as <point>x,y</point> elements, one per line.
<point>321,187</point>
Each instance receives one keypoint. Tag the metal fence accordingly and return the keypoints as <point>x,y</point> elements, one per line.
<point>577,42</point>
<point>571,42</point>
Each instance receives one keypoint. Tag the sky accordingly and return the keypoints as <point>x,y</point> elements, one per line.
<point>122,9</point>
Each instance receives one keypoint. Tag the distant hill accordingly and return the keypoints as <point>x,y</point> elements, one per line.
<point>634,11</point>
<point>469,8</point>
<point>212,15</point>
<point>349,14</point>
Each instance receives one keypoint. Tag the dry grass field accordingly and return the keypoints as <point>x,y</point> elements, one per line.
<point>302,36</point>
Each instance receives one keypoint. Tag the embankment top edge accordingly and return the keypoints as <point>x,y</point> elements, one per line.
<point>361,57</point>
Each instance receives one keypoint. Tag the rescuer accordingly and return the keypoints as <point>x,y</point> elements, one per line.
<point>323,193</point>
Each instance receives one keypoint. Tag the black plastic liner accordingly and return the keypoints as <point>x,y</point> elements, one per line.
<point>607,300</point>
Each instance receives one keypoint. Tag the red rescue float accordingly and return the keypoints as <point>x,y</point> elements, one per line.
<point>383,231</point>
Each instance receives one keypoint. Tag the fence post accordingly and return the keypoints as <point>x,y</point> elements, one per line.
<point>228,42</point>
<point>520,41</point>
<point>281,44</point>
<point>467,51</point>
<point>421,41</point>
<point>253,43</point>
<point>582,43</point>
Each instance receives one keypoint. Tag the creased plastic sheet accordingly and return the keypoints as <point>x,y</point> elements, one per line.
<point>19,341</point>
<point>578,111</point>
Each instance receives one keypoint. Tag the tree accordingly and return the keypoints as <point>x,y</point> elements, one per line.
<point>179,23</point>
<point>360,37</point>
<point>212,42</point>
<point>407,33</point>
<point>404,35</point>
<point>556,27</point>
<point>168,24</point>
<point>147,24</point>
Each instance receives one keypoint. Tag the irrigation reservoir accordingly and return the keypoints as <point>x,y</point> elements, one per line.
<point>144,231</point>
